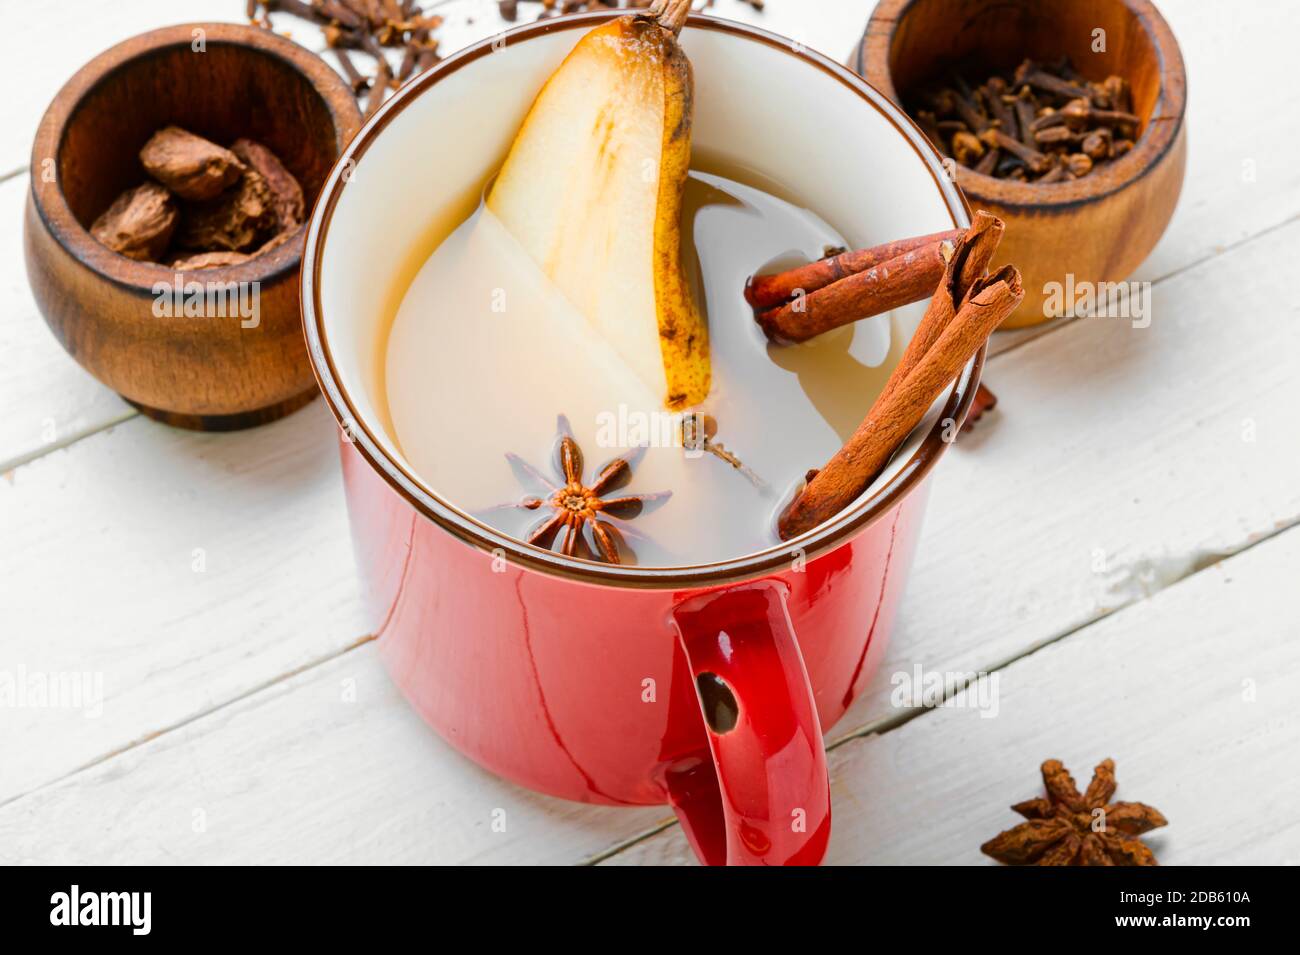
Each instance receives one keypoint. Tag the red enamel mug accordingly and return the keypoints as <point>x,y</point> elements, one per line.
<point>705,687</point>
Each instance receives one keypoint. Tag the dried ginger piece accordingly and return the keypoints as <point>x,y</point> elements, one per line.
<point>192,167</point>
<point>208,260</point>
<point>232,222</point>
<point>139,223</point>
<point>286,193</point>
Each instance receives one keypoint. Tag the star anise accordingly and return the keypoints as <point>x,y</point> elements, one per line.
<point>1069,828</point>
<point>575,510</point>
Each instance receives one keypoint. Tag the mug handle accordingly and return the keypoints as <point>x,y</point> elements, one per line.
<point>764,799</point>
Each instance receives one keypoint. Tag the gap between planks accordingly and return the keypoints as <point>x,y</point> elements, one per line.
<point>107,424</point>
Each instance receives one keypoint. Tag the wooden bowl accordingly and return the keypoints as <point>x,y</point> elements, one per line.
<point>1098,228</point>
<point>221,81</point>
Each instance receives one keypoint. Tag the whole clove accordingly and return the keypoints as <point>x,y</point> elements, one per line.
<point>296,7</point>
<point>1030,74</point>
<point>380,88</point>
<point>1058,172</point>
<point>1079,164</point>
<point>1035,160</point>
<point>1118,89</point>
<point>1026,113</point>
<point>356,80</point>
<point>967,148</point>
<point>1098,144</point>
<point>994,95</point>
<point>408,61</point>
<point>427,58</point>
<point>335,10</point>
<point>1051,135</point>
<point>1042,122</point>
<point>1083,113</point>
<point>969,112</point>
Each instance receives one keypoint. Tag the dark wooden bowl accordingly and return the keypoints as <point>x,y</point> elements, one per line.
<point>1098,228</point>
<point>221,81</point>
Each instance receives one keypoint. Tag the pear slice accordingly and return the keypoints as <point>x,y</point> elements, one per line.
<point>592,189</point>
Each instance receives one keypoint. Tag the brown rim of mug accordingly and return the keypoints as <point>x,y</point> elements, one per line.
<point>141,277</point>
<point>808,546</point>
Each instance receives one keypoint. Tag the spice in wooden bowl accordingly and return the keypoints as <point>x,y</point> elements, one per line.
<point>1085,220</point>
<point>208,206</point>
<point>232,355</point>
<point>1042,122</point>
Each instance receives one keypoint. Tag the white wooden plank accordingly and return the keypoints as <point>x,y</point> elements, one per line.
<point>330,766</point>
<point>1119,461</point>
<point>1243,127</point>
<point>183,569</point>
<point>48,400</point>
<point>1191,693</point>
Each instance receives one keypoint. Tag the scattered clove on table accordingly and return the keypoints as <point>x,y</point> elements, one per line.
<point>370,27</point>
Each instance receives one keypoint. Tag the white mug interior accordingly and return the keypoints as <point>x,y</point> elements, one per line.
<point>787,114</point>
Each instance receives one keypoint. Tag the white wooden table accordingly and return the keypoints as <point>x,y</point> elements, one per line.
<point>1118,543</point>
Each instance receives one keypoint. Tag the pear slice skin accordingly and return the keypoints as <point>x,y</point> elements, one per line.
<point>592,189</point>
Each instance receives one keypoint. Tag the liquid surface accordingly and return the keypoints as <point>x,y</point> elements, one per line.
<point>485,355</point>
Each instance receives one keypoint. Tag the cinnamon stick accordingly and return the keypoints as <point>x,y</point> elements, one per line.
<point>901,409</point>
<point>967,264</point>
<point>769,291</point>
<point>902,280</point>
